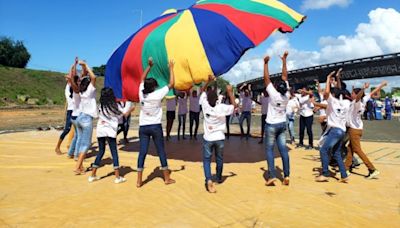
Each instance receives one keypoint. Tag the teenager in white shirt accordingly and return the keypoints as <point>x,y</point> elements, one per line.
<point>275,128</point>
<point>150,120</point>
<point>214,127</point>
<point>182,112</point>
<point>171,113</point>
<point>337,110</point>
<point>88,111</point>
<point>110,113</point>
<point>246,100</point>
<point>68,92</point>
<point>356,128</point>
<point>306,117</point>
<point>194,114</point>
<point>263,101</point>
<point>291,109</point>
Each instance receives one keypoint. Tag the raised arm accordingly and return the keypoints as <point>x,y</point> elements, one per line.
<point>242,86</point>
<point>319,105</point>
<point>171,83</point>
<point>377,89</point>
<point>205,85</point>
<point>284,66</point>
<point>229,92</point>
<point>71,76</point>
<point>147,70</point>
<point>267,79</point>
<point>339,81</point>
<point>328,85</point>
<point>86,68</point>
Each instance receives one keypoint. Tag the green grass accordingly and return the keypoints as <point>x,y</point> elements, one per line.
<point>38,84</point>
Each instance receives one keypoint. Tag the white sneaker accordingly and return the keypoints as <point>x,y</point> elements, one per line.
<point>93,178</point>
<point>348,173</point>
<point>373,174</point>
<point>119,180</point>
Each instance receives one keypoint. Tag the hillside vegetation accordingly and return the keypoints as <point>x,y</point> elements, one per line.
<point>42,87</point>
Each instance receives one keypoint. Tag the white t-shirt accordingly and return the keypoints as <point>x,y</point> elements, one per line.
<point>70,101</point>
<point>214,119</point>
<point>322,111</point>
<point>277,105</point>
<point>125,108</point>
<point>356,111</point>
<point>171,104</point>
<point>246,102</point>
<point>182,105</point>
<point>306,107</point>
<point>292,106</point>
<point>150,106</point>
<point>337,112</point>
<point>194,104</point>
<point>88,101</point>
<point>107,124</point>
<point>264,104</point>
<point>76,107</point>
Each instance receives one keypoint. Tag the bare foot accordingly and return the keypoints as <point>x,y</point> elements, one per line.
<point>79,171</point>
<point>286,181</point>
<point>58,151</point>
<point>321,178</point>
<point>139,184</point>
<point>211,187</point>
<point>271,182</point>
<point>169,181</point>
<point>344,180</point>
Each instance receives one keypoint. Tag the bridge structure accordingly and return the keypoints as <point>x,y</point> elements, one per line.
<point>370,67</point>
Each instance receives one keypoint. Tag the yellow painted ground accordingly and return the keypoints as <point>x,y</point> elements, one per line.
<point>39,189</point>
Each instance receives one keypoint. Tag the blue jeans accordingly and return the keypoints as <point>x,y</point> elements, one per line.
<point>290,124</point>
<point>67,126</point>
<point>208,148</point>
<point>247,116</point>
<point>276,132</point>
<point>333,139</point>
<point>388,114</point>
<point>154,131</point>
<point>84,129</point>
<point>72,148</point>
<point>112,143</point>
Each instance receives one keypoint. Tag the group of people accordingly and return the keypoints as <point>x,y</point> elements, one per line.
<point>340,114</point>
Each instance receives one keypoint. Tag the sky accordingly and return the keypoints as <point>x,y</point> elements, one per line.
<point>335,30</point>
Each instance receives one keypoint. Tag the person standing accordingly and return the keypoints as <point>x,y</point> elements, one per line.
<point>110,111</point>
<point>88,111</point>
<point>356,129</point>
<point>214,126</point>
<point>68,92</point>
<point>246,100</point>
<point>291,110</point>
<point>194,114</point>
<point>182,112</point>
<point>275,128</point>
<point>388,108</point>
<point>171,113</point>
<point>150,120</point>
<point>264,100</point>
<point>306,117</point>
<point>337,110</point>
<point>124,121</point>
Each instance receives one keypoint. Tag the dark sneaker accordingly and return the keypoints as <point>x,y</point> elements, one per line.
<point>299,145</point>
<point>309,148</point>
<point>373,174</point>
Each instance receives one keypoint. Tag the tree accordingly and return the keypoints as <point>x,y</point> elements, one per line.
<point>13,53</point>
<point>100,71</point>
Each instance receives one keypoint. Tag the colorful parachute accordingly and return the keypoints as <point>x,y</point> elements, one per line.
<point>206,39</point>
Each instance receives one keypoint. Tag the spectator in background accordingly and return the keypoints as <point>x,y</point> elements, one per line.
<point>388,108</point>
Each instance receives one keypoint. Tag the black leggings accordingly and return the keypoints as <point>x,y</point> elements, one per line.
<point>194,117</point>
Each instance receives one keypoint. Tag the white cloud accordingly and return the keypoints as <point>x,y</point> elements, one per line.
<point>379,36</point>
<point>323,4</point>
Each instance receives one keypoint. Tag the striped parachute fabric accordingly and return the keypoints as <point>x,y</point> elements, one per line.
<point>206,39</point>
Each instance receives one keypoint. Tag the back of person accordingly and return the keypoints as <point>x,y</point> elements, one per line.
<point>277,105</point>
<point>107,124</point>
<point>150,106</point>
<point>214,119</point>
<point>337,112</point>
<point>88,101</point>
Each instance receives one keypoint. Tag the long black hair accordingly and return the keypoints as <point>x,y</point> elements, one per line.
<point>84,84</point>
<point>150,84</point>
<point>108,103</point>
